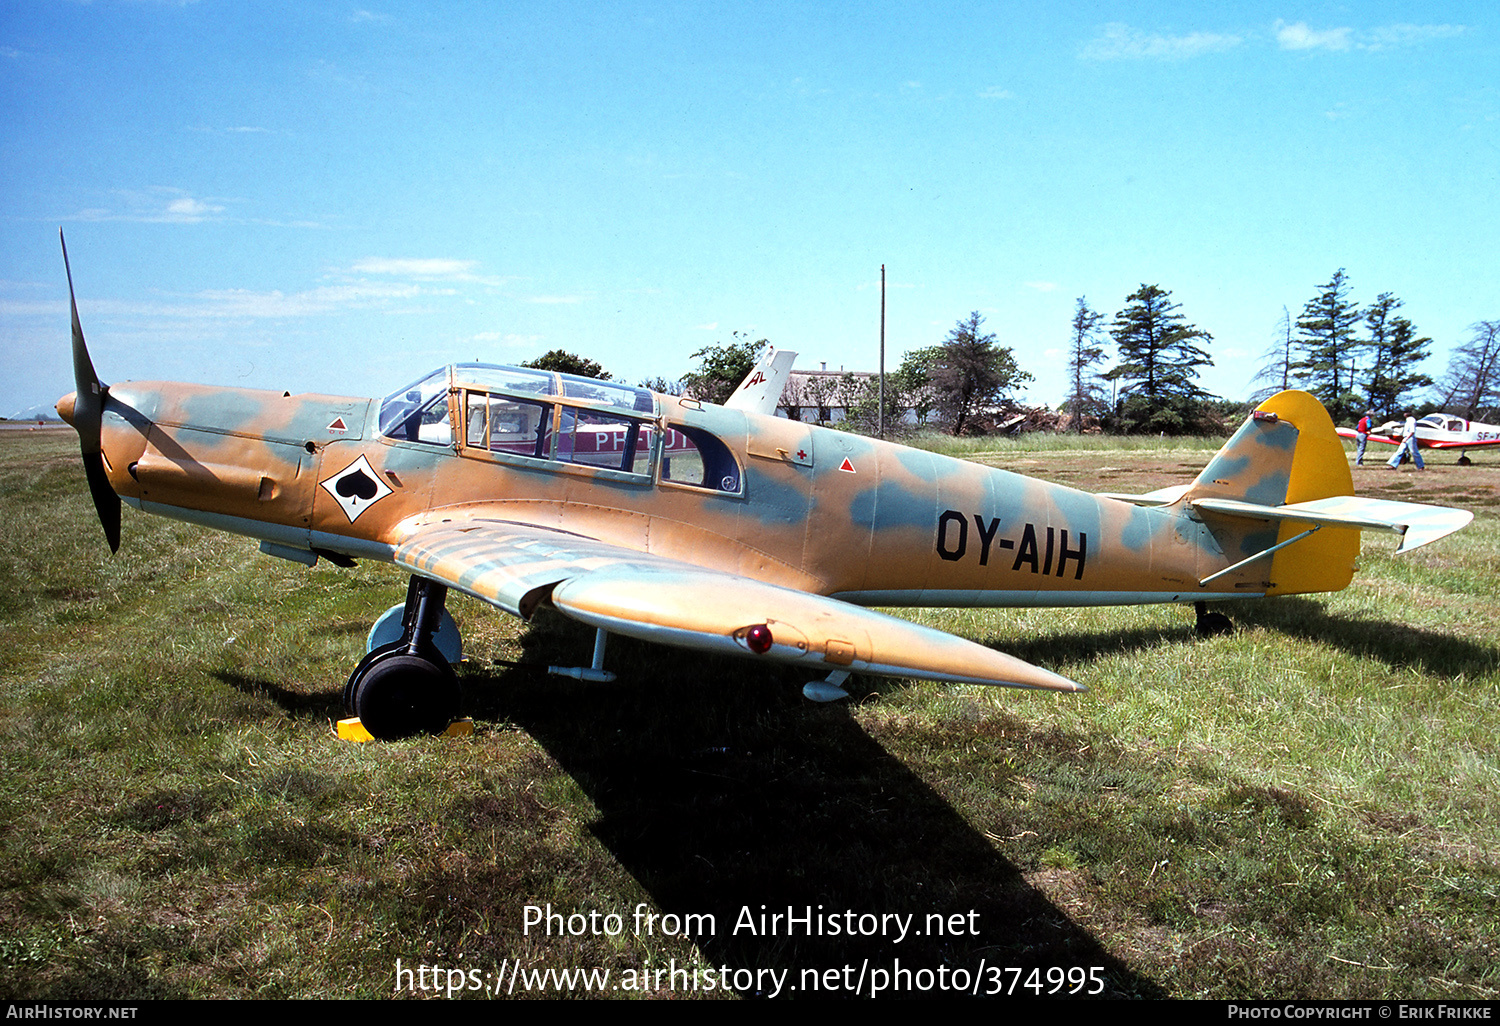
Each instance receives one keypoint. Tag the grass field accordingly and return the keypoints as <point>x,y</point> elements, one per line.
<point>1309,807</point>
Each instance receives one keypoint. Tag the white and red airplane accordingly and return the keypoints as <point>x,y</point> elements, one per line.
<point>1437,431</point>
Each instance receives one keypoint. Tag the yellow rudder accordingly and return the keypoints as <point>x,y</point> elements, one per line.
<point>1324,561</point>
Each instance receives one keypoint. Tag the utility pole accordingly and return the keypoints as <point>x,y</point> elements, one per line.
<point>881,419</point>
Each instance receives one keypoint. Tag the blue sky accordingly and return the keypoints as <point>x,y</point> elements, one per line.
<point>334,197</point>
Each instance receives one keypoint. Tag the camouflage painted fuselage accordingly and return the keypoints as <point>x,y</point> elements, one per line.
<point>812,509</point>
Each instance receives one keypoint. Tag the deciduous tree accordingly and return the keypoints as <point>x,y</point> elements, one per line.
<point>568,363</point>
<point>662,385</point>
<point>1276,370</point>
<point>1472,384</point>
<point>722,367</point>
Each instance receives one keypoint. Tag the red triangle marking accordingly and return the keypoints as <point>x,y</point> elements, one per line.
<point>338,425</point>
<point>846,465</point>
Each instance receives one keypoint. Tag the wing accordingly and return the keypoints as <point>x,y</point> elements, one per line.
<point>1372,436</point>
<point>519,567</point>
<point>1451,443</point>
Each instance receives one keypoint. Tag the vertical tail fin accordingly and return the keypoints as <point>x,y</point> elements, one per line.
<point>761,389</point>
<point>1286,452</point>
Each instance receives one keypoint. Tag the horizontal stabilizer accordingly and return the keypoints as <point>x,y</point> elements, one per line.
<point>1160,497</point>
<point>1417,523</point>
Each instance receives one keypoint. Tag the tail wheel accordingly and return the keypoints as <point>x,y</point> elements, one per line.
<point>1211,624</point>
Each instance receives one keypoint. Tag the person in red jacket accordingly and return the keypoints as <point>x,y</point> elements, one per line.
<point>1361,433</point>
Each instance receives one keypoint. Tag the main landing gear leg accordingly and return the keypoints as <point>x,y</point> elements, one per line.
<point>1210,624</point>
<point>407,687</point>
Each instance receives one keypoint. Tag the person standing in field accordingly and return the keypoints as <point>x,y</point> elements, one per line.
<point>1408,444</point>
<point>1361,435</point>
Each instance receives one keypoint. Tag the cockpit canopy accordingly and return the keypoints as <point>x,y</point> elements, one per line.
<point>423,403</point>
<point>1444,422</point>
<point>536,417</point>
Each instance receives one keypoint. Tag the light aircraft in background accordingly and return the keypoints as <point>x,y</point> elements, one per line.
<point>716,528</point>
<point>1437,431</point>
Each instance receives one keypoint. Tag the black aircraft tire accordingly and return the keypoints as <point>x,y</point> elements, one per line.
<point>371,657</point>
<point>400,695</point>
<point>1213,624</point>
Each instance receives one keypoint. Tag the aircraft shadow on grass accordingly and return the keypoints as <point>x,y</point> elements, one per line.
<point>1395,644</point>
<point>1387,640</point>
<point>720,790</point>
<point>720,795</point>
<point>717,797</point>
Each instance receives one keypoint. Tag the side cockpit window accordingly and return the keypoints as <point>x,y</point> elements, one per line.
<point>520,427</point>
<point>418,412</point>
<point>556,431</point>
<point>552,421</point>
<point>595,438</point>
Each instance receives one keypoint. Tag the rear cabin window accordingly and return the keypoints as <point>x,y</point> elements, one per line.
<point>692,456</point>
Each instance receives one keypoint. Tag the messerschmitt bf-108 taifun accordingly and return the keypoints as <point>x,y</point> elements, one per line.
<point>718,528</point>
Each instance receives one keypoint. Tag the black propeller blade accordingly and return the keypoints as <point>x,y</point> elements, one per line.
<point>88,420</point>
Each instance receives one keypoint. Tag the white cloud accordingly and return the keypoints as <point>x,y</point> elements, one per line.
<point>277,304</point>
<point>1119,41</point>
<point>1410,35</point>
<point>711,326</point>
<point>218,305</point>
<point>556,300</point>
<point>156,206</point>
<point>1300,36</point>
<point>415,268</point>
<point>190,210</point>
<point>995,93</point>
<point>1042,286</point>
